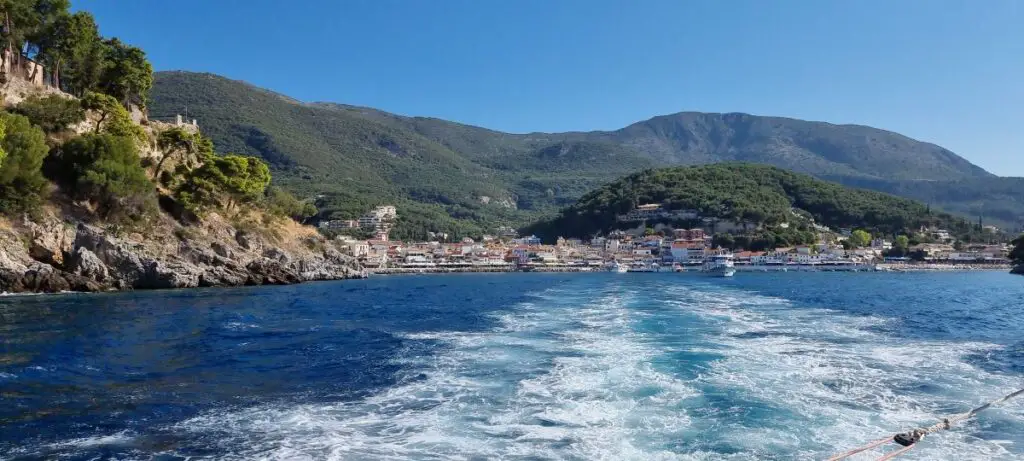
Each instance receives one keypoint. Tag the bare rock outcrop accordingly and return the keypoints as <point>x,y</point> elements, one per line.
<point>85,263</point>
<point>52,256</point>
<point>20,273</point>
<point>124,263</point>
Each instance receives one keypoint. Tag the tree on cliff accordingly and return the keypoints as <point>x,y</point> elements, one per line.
<point>112,119</point>
<point>28,22</point>
<point>69,44</point>
<point>224,181</point>
<point>73,51</point>
<point>176,143</point>
<point>128,75</point>
<point>22,185</point>
<point>106,170</point>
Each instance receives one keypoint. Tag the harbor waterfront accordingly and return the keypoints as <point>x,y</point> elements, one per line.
<point>671,250</point>
<point>882,267</point>
<point>525,365</point>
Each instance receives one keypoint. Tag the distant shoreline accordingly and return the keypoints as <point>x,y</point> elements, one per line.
<point>881,267</point>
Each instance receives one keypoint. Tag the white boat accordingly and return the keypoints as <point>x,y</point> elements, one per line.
<point>618,268</point>
<point>641,267</point>
<point>719,265</point>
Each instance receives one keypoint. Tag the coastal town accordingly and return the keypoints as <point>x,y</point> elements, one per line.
<point>641,250</point>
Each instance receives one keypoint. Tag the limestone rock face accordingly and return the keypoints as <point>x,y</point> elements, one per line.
<point>50,240</point>
<point>85,263</point>
<point>170,274</point>
<point>248,241</point>
<point>266,271</point>
<point>124,265</point>
<point>52,256</point>
<point>223,277</point>
<point>221,249</point>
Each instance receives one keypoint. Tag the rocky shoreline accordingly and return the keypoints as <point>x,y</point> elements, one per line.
<point>58,256</point>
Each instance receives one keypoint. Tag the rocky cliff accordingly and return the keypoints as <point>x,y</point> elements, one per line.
<point>59,252</point>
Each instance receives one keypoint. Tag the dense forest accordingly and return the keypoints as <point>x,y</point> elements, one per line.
<point>762,195</point>
<point>81,144</point>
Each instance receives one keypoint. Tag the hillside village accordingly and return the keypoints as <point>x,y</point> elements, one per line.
<point>650,249</point>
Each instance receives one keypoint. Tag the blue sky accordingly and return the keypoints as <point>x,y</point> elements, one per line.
<point>948,72</point>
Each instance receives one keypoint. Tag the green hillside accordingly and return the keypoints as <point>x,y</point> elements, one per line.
<point>759,194</point>
<point>356,158</point>
<point>446,176</point>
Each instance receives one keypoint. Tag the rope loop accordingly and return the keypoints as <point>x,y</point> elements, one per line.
<point>910,439</point>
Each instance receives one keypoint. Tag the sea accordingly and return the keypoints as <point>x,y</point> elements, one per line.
<point>777,366</point>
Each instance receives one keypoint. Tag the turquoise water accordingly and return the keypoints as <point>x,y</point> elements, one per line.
<point>517,366</point>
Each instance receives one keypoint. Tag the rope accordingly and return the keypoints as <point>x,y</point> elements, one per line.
<point>860,449</point>
<point>896,453</point>
<point>909,439</point>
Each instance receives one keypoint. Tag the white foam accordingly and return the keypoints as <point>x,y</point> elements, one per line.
<point>547,383</point>
<point>841,383</point>
<point>236,326</point>
<point>573,375</point>
<point>119,438</point>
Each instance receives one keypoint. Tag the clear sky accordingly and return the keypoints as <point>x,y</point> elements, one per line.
<point>948,72</point>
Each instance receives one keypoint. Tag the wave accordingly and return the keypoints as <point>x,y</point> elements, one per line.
<point>665,369</point>
<point>830,381</point>
<point>562,377</point>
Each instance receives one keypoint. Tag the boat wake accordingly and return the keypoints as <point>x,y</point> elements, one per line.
<point>559,379</point>
<point>663,369</point>
<point>808,383</point>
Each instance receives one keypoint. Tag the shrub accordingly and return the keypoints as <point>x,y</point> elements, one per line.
<point>282,203</point>
<point>106,171</point>
<point>22,184</point>
<point>52,113</point>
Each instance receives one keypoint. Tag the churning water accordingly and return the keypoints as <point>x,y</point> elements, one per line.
<point>517,366</point>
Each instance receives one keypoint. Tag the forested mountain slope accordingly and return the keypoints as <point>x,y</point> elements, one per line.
<point>760,195</point>
<point>447,176</point>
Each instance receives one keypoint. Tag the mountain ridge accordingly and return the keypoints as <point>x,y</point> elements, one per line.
<point>443,170</point>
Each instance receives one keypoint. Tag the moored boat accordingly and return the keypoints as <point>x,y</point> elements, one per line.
<point>719,265</point>
<point>617,268</point>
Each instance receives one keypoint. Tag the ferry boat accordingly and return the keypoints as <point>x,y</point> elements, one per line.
<point>643,267</point>
<point>618,268</point>
<point>719,265</point>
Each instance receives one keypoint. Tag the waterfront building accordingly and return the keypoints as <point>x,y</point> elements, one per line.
<point>531,240</point>
<point>381,219</point>
<point>338,224</point>
<point>881,244</point>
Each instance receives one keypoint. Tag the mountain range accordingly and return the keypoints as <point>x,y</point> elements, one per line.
<point>447,176</point>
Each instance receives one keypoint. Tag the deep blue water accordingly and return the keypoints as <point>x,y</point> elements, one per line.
<point>516,366</point>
